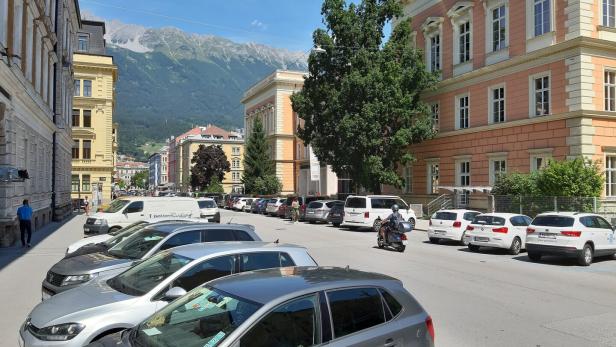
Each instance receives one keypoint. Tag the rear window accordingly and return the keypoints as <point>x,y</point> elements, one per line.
<point>470,215</point>
<point>356,203</point>
<point>445,216</point>
<point>553,221</point>
<point>387,203</point>
<point>207,204</point>
<point>331,204</point>
<point>489,220</point>
<point>315,204</point>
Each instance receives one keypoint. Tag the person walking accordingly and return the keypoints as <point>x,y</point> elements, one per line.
<point>86,205</point>
<point>24,214</point>
<point>295,210</point>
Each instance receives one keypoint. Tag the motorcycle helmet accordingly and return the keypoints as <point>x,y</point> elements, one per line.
<point>395,208</point>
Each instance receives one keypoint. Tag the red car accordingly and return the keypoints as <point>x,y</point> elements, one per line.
<point>282,210</point>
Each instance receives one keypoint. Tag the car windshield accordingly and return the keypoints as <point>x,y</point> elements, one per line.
<point>146,275</point>
<point>116,206</point>
<point>207,204</point>
<point>137,244</point>
<point>203,317</point>
<point>553,221</point>
<point>445,216</point>
<point>124,233</point>
<point>489,220</point>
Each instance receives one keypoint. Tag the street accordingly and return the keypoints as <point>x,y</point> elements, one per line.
<point>485,299</point>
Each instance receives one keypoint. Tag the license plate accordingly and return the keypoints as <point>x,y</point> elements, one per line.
<point>335,214</point>
<point>482,239</point>
<point>310,212</point>
<point>86,229</point>
<point>547,236</point>
<point>440,232</point>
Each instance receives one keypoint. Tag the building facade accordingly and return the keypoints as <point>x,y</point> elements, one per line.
<point>35,45</point>
<point>159,166</point>
<point>94,143</point>
<point>125,170</point>
<point>270,100</point>
<point>521,82</point>
<point>232,144</point>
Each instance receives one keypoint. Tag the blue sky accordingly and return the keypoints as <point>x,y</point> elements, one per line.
<point>279,23</point>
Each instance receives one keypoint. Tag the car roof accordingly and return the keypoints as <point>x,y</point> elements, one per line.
<point>156,198</point>
<point>205,199</point>
<point>266,285</point>
<point>174,220</point>
<point>175,227</point>
<point>455,210</point>
<point>567,214</point>
<point>501,214</point>
<point>204,249</point>
<point>375,196</point>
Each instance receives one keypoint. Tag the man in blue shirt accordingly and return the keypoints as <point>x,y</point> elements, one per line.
<point>24,214</point>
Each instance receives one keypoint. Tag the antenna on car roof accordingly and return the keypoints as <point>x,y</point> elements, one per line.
<point>277,241</point>
<point>230,220</point>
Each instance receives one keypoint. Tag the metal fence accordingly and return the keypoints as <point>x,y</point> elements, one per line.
<point>533,205</point>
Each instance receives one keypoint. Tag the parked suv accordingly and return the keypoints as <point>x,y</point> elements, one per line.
<point>368,211</point>
<point>450,225</point>
<point>580,235</point>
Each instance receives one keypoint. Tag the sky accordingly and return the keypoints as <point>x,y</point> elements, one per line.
<point>278,23</point>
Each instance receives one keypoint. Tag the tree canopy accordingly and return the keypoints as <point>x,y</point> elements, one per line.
<point>259,171</point>
<point>140,180</point>
<point>210,161</point>
<point>361,102</point>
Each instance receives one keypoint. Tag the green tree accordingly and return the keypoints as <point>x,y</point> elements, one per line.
<point>141,179</point>
<point>257,162</point>
<point>121,184</point>
<point>214,187</point>
<point>517,184</point>
<point>578,177</point>
<point>267,185</point>
<point>361,102</point>
<point>209,162</point>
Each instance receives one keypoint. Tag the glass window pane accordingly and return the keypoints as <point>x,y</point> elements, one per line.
<point>355,309</point>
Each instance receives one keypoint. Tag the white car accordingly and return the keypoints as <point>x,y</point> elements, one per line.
<point>580,235</point>
<point>368,211</point>
<point>450,225</point>
<point>209,209</point>
<point>498,230</point>
<point>272,205</point>
<point>241,204</point>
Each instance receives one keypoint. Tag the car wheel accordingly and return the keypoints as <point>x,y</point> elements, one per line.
<point>113,230</point>
<point>516,246</point>
<point>376,226</point>
<point>435,240</point>
<point>534,256</point>
<point>311,222</point>
<point>401,248</point>
<point>585,258</point>
<point>379,241</point>
<point>336,224</point>
<point>463,240</point>
<point>473,248</point>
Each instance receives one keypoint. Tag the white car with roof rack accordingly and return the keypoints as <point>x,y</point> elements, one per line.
<point>571,234</point>
<point>450,225</point>
<point>498,230</point>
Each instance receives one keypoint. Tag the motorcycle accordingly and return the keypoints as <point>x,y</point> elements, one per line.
<point>396,237</point>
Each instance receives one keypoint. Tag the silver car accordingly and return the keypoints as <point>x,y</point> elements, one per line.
<point>318,211</point>
<point>288,307</point>
<point>102,307</point>
<point>72,272</point>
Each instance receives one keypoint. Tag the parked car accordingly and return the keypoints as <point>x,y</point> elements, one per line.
<point>318,211</point>
<point>259,205</point>
<point>104,306</point>
<point>368,211</point>
<point>297,306</point>
<point>209,209</point>
<point>124,211</point>
<point>240,204</point>
<point>583,236</point>
<point>272,206</point>
<point>498,230</point>
<point>450,225</point>
<point>231,198</point>
<point>248,206</point>
<point>283,208</point>
<point>73,272</point>
<point>336,214</point>
<point>304,204</point>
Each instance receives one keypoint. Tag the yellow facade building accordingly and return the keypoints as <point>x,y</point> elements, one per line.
<point>94,138</point>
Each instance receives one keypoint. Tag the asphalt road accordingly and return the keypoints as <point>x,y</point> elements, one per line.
<point>486,299</point>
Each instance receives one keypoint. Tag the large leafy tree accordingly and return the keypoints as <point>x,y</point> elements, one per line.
<point>259,171</point>
<point>361,102</point>
<point>140,180</point>
<point>210,162</point>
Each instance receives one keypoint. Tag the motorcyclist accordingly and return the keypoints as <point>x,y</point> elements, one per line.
<point>392,221</point>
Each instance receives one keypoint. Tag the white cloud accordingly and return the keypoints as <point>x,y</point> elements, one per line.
<point>258,24</point>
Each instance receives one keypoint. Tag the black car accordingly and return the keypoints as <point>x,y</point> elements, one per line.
<point>336,214</point>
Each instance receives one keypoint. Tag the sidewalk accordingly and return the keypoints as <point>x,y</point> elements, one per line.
<point>23,269</point>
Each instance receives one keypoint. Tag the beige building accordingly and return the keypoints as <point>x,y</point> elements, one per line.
<point>125,170</point>
<point>92,118</point>
<point>232,144</point>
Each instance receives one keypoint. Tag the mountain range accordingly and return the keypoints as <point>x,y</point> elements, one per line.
<point>171,80</point>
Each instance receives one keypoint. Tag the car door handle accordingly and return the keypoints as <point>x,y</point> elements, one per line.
<point>389,343</point>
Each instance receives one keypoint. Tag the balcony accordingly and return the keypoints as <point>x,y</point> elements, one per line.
<point>84,133</point>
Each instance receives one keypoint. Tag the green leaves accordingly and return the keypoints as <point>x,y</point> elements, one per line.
<point>210,162</point>
<point>259,171</point>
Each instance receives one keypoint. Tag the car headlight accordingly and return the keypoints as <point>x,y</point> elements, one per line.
<point>100,222</point>
<point>60,332</point>
<point>76,279</point>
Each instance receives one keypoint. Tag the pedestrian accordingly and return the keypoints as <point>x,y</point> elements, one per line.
<point>24,214</point>
<point>295,210</point>
<point>86,205</point>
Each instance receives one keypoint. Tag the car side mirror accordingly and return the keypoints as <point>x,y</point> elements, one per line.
<point>174,293</point>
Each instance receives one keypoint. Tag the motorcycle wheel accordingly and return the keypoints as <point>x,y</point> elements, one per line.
<point>379,241</point>
<point>400,248</point>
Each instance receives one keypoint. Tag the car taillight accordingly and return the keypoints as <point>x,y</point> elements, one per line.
<point>502,230</point>
<point>430,327</point>
<point>366,214</point>
<point>571,233</point>
<point>457,224</point>
<point>530,230</point>
<point>470,227</point>
<point>403,237</point>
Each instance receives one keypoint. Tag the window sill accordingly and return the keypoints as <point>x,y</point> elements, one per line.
<point>462,68</point>
<point>606,33</point>
<point>542,41</point>
<point>497,56</point>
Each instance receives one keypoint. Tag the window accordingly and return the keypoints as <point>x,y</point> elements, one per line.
<point>134,207</point>
<point>497,167</point>
<point>392,304</point>
<point>356,203</point>
<point>463,112</point>
<point>236,151</point>
<point>609,13</point>
<point>87,88</point>
<point>213,235</point>
<point>610,175</point>
<point>542,17</point>
<point>464,173</point>
<point>75,149</point>
<point>355,309</point>
<point>235,163</point>
<point>464,42</point>
<point>434,108</point>
<point>185,238</point>
<point>610,90</point>
<point>75,183</point>
<point>433,173</point>
<point>539,161</point>
<point>290,324</point>
<point>498,105</point>
<point>77,88</point>
<point>264,260</point>
<point>87,118</point>
<point>85,183</point>
<point>87,149</point>
<point>435,52</point>
<point>432,31</point>
<point>541,95</point>
<point>499,28</point>
<point>242,236</point>
<point>408,179</point>
<point>17,30</point>
<point>205,271</point>
<point>83,42</point>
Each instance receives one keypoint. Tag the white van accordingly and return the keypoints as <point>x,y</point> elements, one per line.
<point>127,210</point>
<point>368,211</point>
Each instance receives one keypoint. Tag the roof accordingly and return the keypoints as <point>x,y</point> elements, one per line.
<point>456,210</point>
<point>567,214</point>
<point>266,285</point>
<point>501,214</point>
<point>170,227</point>
<point>199,250</point>
<point>94,23</point>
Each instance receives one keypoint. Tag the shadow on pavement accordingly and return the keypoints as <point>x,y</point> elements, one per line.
<point>560,261</point>
<point>10,254</point>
